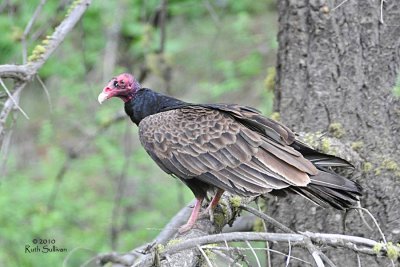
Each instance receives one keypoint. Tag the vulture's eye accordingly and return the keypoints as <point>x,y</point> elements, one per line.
<point>115,84</point>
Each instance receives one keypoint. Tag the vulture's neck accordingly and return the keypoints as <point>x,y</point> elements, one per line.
<point>147,102</point>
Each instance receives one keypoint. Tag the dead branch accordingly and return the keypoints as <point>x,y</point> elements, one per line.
<point>28,29</point>
<point>185,248</point>
<point>267,219</point>
<point>307,240</point>
<point>18,72</point>
<point>24,73</point>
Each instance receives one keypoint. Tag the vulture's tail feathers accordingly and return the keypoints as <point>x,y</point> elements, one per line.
<point>328,188</point>
<point>320,159</point>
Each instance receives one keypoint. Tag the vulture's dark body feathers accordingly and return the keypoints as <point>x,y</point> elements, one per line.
<point>235,148</point>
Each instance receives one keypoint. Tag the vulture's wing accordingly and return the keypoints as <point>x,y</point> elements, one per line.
<point>199,142</point>
<point>254,120</point>
<point>279,133</point>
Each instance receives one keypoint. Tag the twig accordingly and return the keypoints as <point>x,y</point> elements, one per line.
<point>244,223</point>
<point>374,220</point>
<point>230,237</point>
<point>13,99</point>
<point>336,7</point>
<point>326,259</point>
<point>306,239</point>
<point>362,219</point>
<point>254,253</point>
<point>19,72</point>
<point>314,253</point>
<point>27,71</point>
<point>240,248</point>
<point>267,218</point>
<point>59,35</point>
<point>381,18</point>
<point>46,91</point>
<point>8,106</point>
<point>224,256</point>
<point>212,12</point>
<point>268,254</point>
<point>205,256</point>
<point>5,146</point>
<point>317,258</point>
<point>289,253</point>
<point>28,29</point>
<point>358,260</point>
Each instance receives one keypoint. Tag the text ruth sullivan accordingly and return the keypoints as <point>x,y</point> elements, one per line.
<point>43,249</point>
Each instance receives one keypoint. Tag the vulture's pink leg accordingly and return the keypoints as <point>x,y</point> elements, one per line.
<point>193,217</point>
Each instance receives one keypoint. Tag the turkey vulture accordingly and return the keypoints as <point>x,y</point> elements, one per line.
<point>228,147</point>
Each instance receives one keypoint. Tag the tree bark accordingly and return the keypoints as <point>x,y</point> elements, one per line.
<point>335,72</point>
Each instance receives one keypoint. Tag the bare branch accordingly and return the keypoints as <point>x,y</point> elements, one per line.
<point>307,240</point>
<point>268,254</point>
<point>205,256</point>
<point>15,102</point>
<point>28,29</point>
<point>30,69</point>
<point>289,254</point>
<point>244,223</point>
<point>227,248</point>
<point>187,245</point>
<point>235,237</point>
<point>267,218</point>
<point>46,91</point>
<point>375,222</point>
<point>347,241</point>
<point>336,7</point>
<point>381,18</point>
<point>327,260</point>
<point>8,106</point>
<point>212,12</point>
<point>59,35</point>
<point>19,72</point>
<point>254,253</point>
<point>314,253</point>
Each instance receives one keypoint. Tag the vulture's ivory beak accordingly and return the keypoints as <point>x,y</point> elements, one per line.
<point>102,97</point>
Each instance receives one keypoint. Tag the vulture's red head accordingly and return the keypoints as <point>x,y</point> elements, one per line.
<point>123,86</point>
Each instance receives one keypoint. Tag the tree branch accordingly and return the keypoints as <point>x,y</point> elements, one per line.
<point>18,72</point>
<point>28,29</point>
<point>27,71</point>
<point>267,219</point>
<point>184,248</point>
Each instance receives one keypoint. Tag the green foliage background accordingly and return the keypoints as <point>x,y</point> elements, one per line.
<point>217,51</point>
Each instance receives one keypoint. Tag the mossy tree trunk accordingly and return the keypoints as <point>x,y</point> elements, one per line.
<point>335,74</point>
